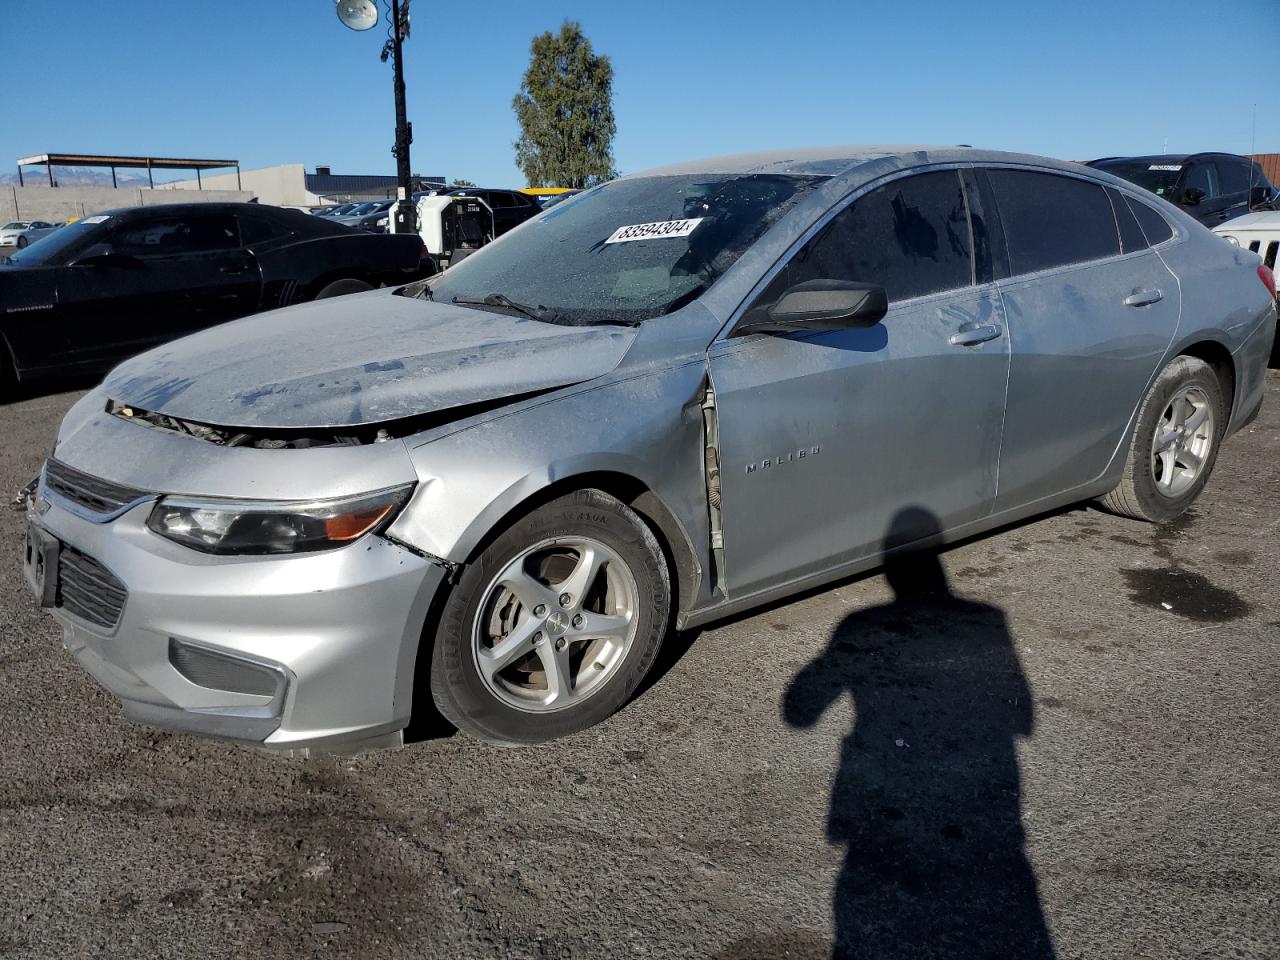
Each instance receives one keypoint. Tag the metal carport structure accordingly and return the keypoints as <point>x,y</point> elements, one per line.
<point>51,160</point>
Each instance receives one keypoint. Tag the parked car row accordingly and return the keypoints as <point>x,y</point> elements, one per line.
<point>692,392</point>
<point>111,285</point>
<point>21,233</point>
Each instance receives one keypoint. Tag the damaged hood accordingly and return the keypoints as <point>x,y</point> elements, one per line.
<point>362,359</point>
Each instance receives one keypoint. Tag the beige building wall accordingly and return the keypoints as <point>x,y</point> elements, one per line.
<point>284,185</point>
<point>56,204</point>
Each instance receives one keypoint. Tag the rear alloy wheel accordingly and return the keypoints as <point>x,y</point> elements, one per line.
<point>556,623</point>
<point>340,288</point>
<point>1174,445</point>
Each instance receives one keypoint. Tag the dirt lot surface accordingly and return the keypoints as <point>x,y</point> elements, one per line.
<point>1072,754</point>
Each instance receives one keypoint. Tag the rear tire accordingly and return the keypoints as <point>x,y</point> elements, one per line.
<point>1174,444</point>
<point>8,376</point>
<point>22,242</point>
<point>340,288</point>
<point>554,625</point>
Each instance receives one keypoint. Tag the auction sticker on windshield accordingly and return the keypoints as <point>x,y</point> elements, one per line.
<point>662,230</point>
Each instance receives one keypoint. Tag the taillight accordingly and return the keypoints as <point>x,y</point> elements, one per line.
<point>1267,277</point>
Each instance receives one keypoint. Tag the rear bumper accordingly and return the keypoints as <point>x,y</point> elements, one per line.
<point>325,643</point>
<point>1251,361</point>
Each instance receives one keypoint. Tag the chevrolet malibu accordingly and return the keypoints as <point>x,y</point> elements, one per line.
<point>671,398</point>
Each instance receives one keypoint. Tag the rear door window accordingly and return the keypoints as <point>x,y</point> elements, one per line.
<point>1053,221</point>
<point>910,236</point>
<point>1131,235</point>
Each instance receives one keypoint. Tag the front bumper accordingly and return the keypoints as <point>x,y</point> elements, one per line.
<point>340,630</point>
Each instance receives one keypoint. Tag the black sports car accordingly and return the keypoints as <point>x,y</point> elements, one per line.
<point>112,285</point>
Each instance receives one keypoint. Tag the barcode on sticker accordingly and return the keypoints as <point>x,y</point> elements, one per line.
<point>661,230</point>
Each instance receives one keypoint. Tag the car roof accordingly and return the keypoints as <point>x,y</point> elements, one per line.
<point>1170,157</point>
<point>839,160</point>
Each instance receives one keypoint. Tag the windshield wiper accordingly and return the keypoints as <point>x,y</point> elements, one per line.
<point>538,313</point>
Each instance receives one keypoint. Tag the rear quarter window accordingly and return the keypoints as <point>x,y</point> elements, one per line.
<point>1053,221</point>
<point>1154,226</point>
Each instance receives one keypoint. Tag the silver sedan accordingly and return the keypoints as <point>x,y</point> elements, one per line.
<point>671,398</point>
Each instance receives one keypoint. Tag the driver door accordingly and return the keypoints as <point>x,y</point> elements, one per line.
<point>176,273</point>
<point>826,436</point>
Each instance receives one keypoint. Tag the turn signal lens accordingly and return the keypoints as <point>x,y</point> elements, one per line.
<point>252,527</point>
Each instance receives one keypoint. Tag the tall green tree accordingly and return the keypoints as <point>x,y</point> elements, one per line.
<point>565,110</point>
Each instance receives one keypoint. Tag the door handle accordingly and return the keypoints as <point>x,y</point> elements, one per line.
<point>235,268</point>
<point>972,335</point>
<point>1143,298</point>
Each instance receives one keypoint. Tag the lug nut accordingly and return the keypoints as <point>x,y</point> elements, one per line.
<point>579,620</point>
<point>565,599</point>
<point>561,643</point>
<point>537,637</point>
<point>540,610</point>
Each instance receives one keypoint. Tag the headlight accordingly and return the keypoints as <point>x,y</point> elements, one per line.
<point>382,221</point>
<point>1231,239</point>
<point>274,526</point>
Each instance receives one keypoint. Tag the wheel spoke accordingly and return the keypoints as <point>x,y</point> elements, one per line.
<point>1197,419</point>
<point>1180,405</point>
<point>590,560</point>
<point>1165,440</point>
<point>510,648</point>
<point>527,590</point>
<point>600,626</point>
<point>1167,468</point>
<point>556,665</point>
<point>1190,461</point>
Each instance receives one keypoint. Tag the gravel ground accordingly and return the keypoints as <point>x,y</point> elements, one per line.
<point>1071,754</point>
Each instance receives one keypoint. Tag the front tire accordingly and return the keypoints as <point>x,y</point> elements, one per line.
<point>22,242</point>
<point>1174,444</point>
<point>554,625</point>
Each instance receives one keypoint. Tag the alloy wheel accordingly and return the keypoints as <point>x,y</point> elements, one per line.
<point>555,624</point>
<point>1183,440</point>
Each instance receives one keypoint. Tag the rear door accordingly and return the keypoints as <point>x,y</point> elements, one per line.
<point>1091,310</point>
<point>826,436</point>
<point>1233,182</point>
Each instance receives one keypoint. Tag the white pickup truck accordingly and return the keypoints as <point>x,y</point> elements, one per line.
<point>1260,232</point>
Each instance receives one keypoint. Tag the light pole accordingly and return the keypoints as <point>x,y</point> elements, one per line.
<point>363,15</point>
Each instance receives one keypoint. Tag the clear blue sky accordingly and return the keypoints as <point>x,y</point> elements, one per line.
<point>282,81</point>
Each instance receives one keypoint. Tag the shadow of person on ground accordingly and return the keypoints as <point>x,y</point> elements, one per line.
<point>927,797</point>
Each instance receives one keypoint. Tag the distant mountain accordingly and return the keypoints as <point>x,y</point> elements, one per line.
<point>74,177</point>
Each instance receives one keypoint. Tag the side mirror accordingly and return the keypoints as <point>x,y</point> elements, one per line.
<point>1192,196</point>
<point>108,259</point>
<point>1259,195</point>
<point>819,305</point>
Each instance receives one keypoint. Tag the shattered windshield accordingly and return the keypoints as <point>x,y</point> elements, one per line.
<point>625,251</point>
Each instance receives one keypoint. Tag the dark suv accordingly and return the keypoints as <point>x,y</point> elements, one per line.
<point>1212,187</point>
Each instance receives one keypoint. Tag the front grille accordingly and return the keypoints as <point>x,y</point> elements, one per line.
<point>101,497</point>
<point>88,589</point>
